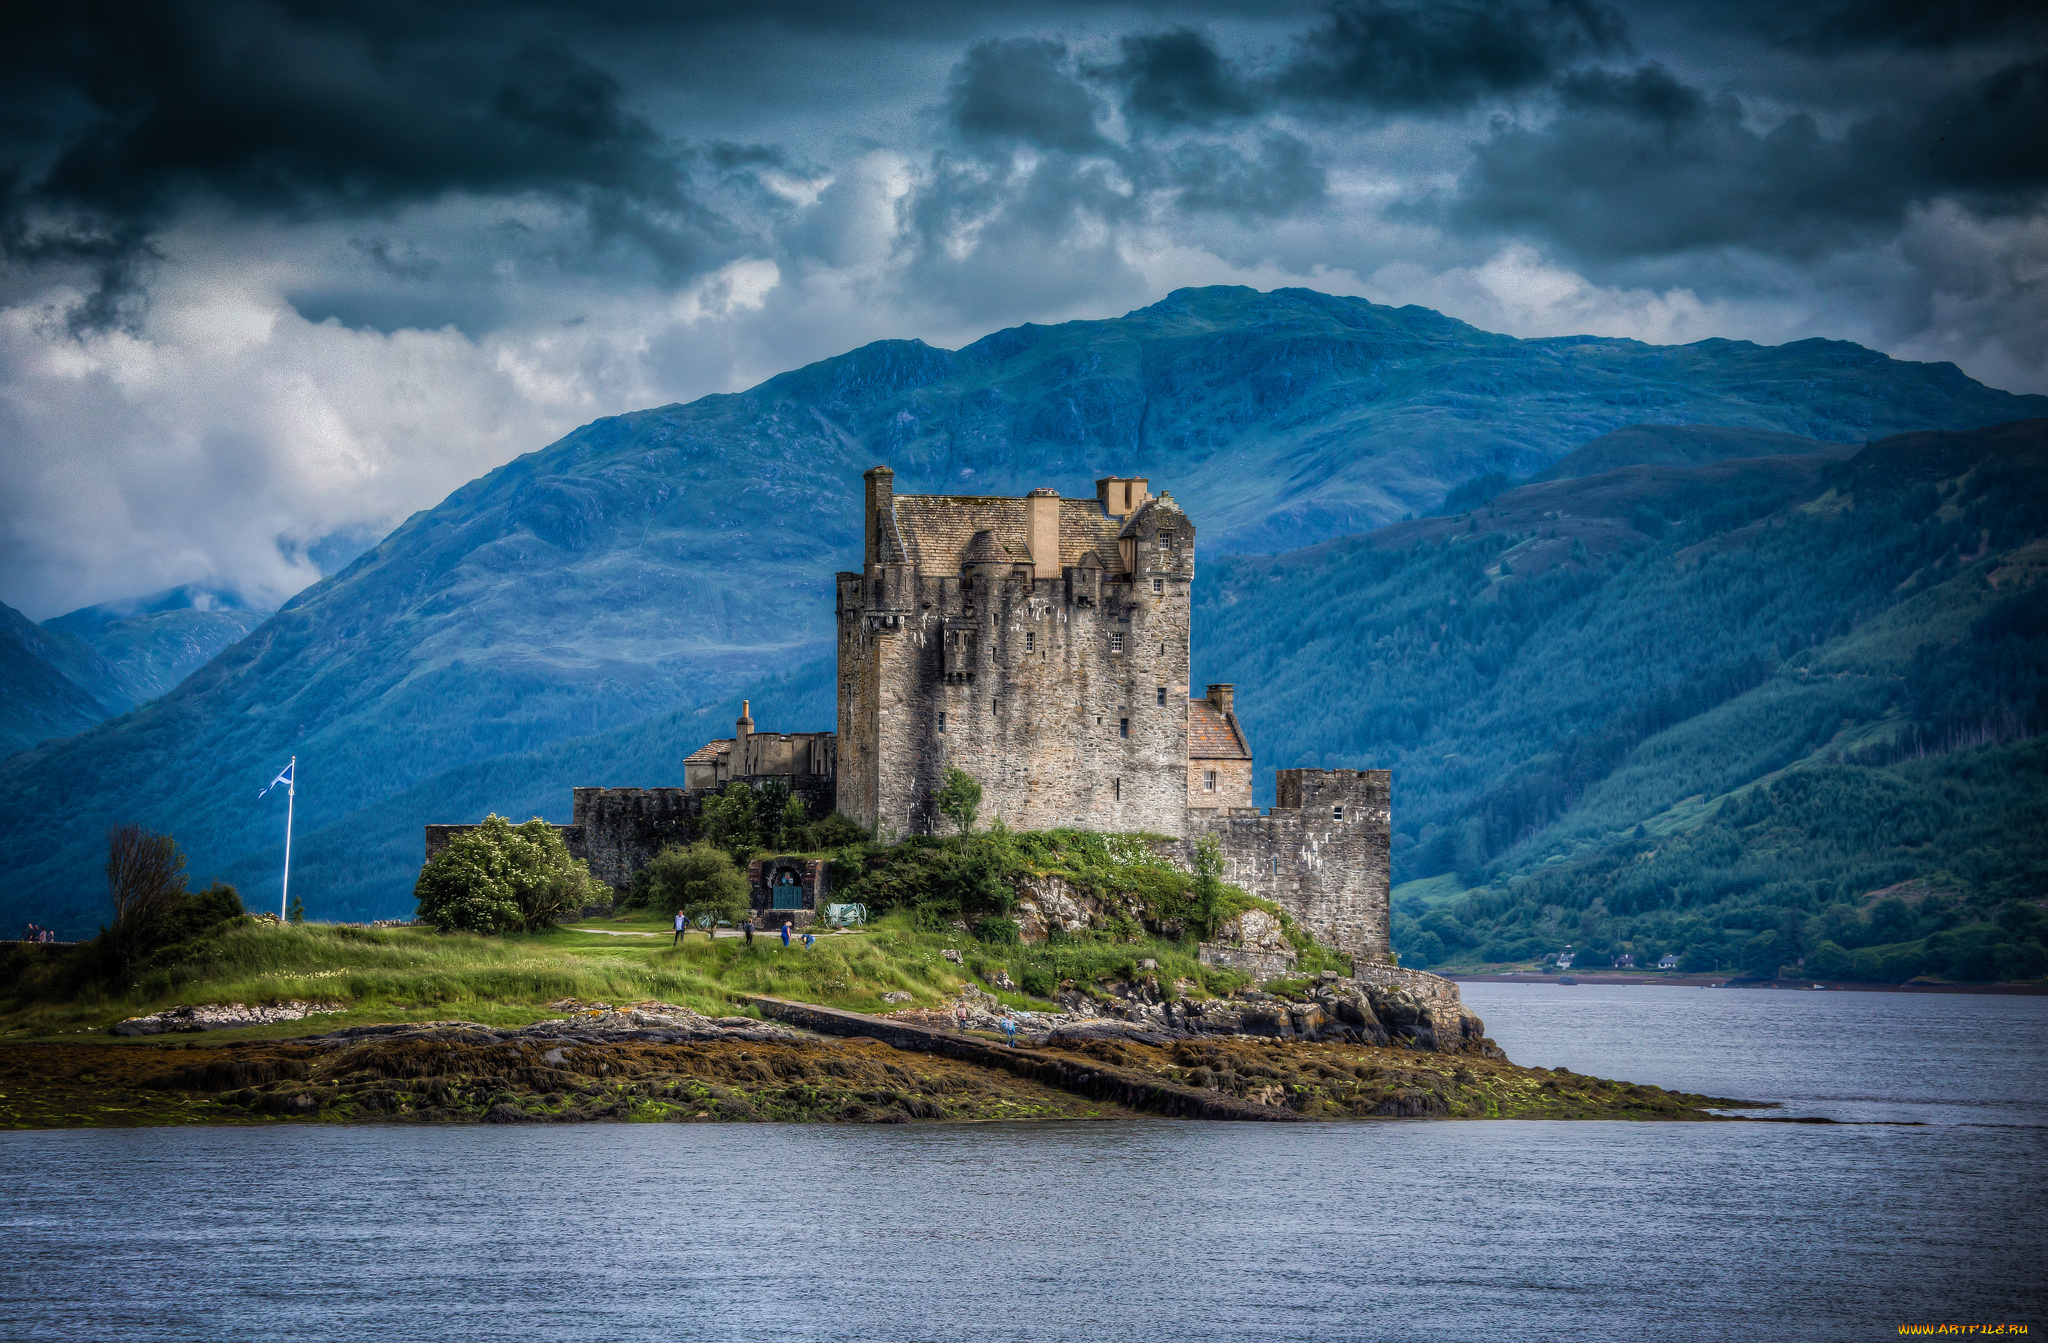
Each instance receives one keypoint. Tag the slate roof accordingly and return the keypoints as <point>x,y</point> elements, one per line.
<point>932,532</point>
<point>709,752</point>
<point>1211,736</point>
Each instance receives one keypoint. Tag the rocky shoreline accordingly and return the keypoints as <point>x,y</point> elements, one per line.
<point>1383,1045</point>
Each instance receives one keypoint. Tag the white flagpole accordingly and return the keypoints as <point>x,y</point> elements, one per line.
<point>291,791</point>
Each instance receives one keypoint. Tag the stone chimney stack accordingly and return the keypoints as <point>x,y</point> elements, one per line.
<point>742,734</point>
<point>881,498</point>
<point>1220,698</point>
<point>1042,532</point>
<point>1122,496</point>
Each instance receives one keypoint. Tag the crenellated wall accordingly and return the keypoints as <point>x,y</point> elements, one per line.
<point>1321,853</point>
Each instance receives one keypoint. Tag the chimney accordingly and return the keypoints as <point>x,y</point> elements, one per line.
<point>1220,696</point>
<point>741,732</point>
<point>1122,496</point>
<point>881,498</point>
<point>1042,532</point>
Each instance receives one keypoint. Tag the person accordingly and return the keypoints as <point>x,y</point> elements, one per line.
<point>808,940</point>
<point>748,929</point>
<point>1010,1029</point>
<point>785,932</point>
<point>960,1015</point>
<point>681,923</point>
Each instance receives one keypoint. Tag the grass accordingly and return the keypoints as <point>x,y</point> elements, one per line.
<point>416,974</point>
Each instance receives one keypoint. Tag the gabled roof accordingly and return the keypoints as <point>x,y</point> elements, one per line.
<point>1212,735</point>
<point>709,752</point>
<point>933,532</point>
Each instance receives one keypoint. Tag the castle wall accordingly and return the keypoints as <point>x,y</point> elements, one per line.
<point>1329,871</point>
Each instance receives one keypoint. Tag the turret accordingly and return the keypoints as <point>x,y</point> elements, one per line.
<point>1122,496</point>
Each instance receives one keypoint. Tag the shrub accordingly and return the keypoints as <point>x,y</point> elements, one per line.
<point>502,878</point>
<point>700,881</point>
<point>997,931</point>
<point>958,798</point>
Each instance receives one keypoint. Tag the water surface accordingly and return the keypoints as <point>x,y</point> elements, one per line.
<point>1156,1230</point>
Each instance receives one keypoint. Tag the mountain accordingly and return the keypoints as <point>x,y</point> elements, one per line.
<point>1685,708</point>
<point>1679,445</point>
<point>142,647</point>
<point>37,700</point>
<point>672,557</point>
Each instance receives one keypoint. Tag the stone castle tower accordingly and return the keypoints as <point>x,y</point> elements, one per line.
<point>1040,644</point>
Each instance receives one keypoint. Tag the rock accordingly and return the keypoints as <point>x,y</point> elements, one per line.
<point>1001,978</point>
<point>1254,930</point>
<point>218,1017</point>
<point>1148,964</point>
<point>897,996</point>
<point>951,955</point>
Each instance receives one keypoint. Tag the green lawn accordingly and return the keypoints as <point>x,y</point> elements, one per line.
<point>416,974</point>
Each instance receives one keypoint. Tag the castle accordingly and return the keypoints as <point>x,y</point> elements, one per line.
<point>1041,645</point>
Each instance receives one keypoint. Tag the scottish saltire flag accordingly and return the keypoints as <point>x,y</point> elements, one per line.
<point>284,777</point>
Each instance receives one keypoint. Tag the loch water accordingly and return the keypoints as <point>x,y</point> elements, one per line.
<point>1926,1208</point>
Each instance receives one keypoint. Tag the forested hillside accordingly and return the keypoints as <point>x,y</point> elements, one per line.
<point>1706,710</point>
<point>672,557</point>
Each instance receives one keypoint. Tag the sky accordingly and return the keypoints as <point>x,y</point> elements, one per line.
<point>275,274</point>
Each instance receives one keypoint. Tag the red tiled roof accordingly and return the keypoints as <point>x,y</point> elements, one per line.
<point>1211,736</point>
<point>709,752</point>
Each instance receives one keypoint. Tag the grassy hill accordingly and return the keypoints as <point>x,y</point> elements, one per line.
<point>674,557</point>
<point>1726,711</point>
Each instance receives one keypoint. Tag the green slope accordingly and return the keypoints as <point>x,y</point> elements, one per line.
<point>38,701</point>
<point>672,556</point>
<point>1677,708</point>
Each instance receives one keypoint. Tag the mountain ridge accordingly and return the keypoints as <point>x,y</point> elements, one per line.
<point>671,556</point>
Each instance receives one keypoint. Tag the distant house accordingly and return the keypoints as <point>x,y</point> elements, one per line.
<point>1625,961</point>
<point>1564,960</point>
<point>1670,962</point>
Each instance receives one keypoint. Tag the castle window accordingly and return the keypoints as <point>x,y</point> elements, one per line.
<point>1162,696</point>
<point>878,592</point>
<point>1030,641</point>
<point>1123,727</point>
<point>1276,867</point>
<point>1116,643</point>
<point>942,720</point>
<point>1159,585</point>
<point>1209,780</point>
<point>1166,540</point>
<point>1336,813</point>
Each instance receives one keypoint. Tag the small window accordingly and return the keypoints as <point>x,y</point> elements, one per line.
<point>878,592</point>
<point>1162,697</point>
<point>1159,585</point>
<point>1336,813</point>
<point>1166,540</point>
<point>942,720</point>
<point>1123,727</point>
<point>991,705</point>
<point>1209,780</point>
<point>1276,867</point>
<point>1116,643</point>
<point>1030,641</point>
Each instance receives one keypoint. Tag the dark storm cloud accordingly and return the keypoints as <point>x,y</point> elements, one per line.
<point>1442,55</point>
<point>119,116</point>
<point>1640,164</point>
<point>1179,79</point>
<point>1834,27</point>
<point>1020,90</point>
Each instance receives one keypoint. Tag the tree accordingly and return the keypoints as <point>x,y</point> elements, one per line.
<point>958,798</point>
<point>298,911</point>
<point>145,884</point>
<point>731,823</point>
<point>700,880</point>
<point>502,878</point>
<point>790,834</point>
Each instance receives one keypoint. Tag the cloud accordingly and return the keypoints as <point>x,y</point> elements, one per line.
<point>1833,27</point>
<point>1638,164</point>
<point>1440,55</point>
<point>1020,91</point>
<point>123,117</point>
<point>1178,79</point>
<point>1281,179</point>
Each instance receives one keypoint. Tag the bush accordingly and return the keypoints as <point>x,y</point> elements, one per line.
<point>501,878</point>
<point>700,881</point>
<point>958,798</point>
<point>997,931</point>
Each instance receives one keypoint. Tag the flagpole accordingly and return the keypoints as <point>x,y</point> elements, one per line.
<point>291,792</point>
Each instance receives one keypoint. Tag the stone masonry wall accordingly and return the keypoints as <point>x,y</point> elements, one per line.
<point>1069,708</point>
<point>1329,871</point>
